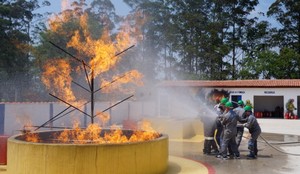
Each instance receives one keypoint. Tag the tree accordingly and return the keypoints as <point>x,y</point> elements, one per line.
<point>261,65</point>
<point>15,36</point>
<point>287,65</point>
<point>287,13</point>
<point>16,68</point>
<point>235,16</point>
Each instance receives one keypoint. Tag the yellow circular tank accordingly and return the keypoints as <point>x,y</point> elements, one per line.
<point>148,157</point>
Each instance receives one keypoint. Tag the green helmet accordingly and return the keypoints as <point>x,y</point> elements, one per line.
<point>228,105</point>
<point>248,108</point>
<point>224,100</point>
<point>240,102</point>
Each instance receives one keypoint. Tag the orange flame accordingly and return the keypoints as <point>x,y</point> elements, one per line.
<point>101,51</point>
<point>132,76</point>
<point>57,78</point>
<point>32,137</point>
<point>92,134</point>
<point>104,117</point>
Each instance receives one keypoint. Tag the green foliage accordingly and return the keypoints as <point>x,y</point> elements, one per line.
<point>198,34</point>
<point>260,66</point>
<point>287,65</point>
<point>287,13</point>
<point>17,72</point>
<point>269,64</point>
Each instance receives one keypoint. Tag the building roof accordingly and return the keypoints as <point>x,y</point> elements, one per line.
<point>280,83</point>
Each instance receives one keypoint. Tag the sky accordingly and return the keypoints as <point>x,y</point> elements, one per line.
<point>123,9</point>
<point>263,7</point>
<point>57,6</point>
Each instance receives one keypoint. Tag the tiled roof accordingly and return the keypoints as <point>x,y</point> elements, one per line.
<point>291,83</point>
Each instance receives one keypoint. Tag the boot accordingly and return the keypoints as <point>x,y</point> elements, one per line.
<point>251,155</point>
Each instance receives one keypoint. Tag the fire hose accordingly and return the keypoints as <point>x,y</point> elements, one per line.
<point>268,143</point>
<point>276,148</point>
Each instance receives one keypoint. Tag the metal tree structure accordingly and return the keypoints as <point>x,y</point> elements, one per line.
<point>90,78</point>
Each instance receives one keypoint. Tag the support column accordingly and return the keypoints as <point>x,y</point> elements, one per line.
<point>2,115</point>
<point>51,114</point>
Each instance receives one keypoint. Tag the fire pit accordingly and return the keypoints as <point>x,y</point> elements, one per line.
<point>49,157</point>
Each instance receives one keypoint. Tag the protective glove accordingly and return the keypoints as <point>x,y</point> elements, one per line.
<point>239,125</point>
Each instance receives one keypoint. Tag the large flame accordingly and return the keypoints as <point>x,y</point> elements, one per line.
<point>57,78</point>
<point>103,53</point>
<point>132,76</point>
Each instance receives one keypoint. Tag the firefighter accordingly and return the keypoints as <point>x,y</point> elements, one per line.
<point>240,129</point>
<point>220,108</point>
<point>254,130</point>
<point>229,121</point>
<point>248,103</point>
<point>210,146</point>
<point>290,107</point>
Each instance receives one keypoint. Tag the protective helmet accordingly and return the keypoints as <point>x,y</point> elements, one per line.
<point>248,108</point>
<point>228,105</point>
<point>240,102</point>
<point>224,100</point>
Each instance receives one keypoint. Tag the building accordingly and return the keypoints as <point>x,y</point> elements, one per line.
<point>267,96</point>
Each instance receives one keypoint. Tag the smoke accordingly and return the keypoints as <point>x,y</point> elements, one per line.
<point>65,4</point>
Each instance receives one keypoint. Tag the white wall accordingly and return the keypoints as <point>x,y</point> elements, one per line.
<point>19,114</point>
<point>266,103</point>
<point>249,93</point>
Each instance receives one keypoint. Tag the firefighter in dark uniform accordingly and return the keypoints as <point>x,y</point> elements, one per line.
<point>240,129</point>
<point>254,130</point>
<point>229,121</point>
<point>220,108</point>
<point>209,124</point>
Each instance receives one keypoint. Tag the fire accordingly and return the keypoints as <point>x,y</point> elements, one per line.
<point>102,51</point>
<point>132,76</point>
<point>26,122</point>
<point>92,135</point>
<point>32,137</point>
<point>100,54</point>
<point>104,117</point>
<point>115,136</point>
<point>57,78</point>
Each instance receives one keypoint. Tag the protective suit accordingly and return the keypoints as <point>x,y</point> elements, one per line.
<point>290,107</point>
<point>254,130</point>
<point>240,129</point>
<point>229,121</point>
<point>219,108</point>
<point>210,146</point>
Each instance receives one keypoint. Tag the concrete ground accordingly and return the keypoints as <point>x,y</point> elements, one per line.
<point>279,155</point>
